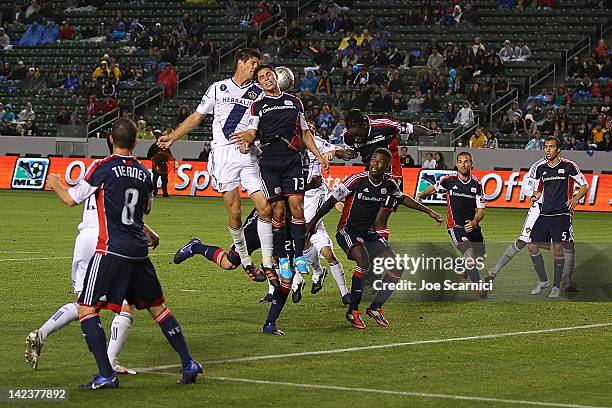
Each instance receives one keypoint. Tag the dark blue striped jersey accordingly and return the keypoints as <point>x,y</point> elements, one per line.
<point>462,198</point>
<point>123,189</point>
<point>556,184</point>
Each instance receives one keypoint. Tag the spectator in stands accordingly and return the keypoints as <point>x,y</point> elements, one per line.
<point>439,159</point>
<point>492,142</point>
<point>20,71</point>
<point>521,51</point>
<point>333,24</point>
<point>348,75</point>
<point>325,121</point>
<point>514,108</point>
<point>379,58</point>
<point>546,4</point>
<point>308,99</point>
<point>507,4</point>
<point>430,103</point>
<point>507,52</point>
<point>536,142</point>
<point>66,32</point>
<point>429,162</point>
<point>151,74</point>
<point>396,83</point>
<point>606,144</point>
<point>363,77</point>
<point>597,133</point>
<point>26,114</point>
<point>309,81</point>
<point>465,116</point>
<point>399,102</point>
<point>205,153</point>
<point>498,67</point>
<point>4,39</point>
<point>415,104</point>
<point>501,86</point>
<point>405,159</point>
<point>347,24</point>
<point>109,90</point>
<point>325,85</point>
<point>548,127</point>
<point>72,81</point>
<point>9,115</point>
<point>477,47</point>
<point>591,69</point>
<point>6,72</point>
<point>295,31</point>
<point>168,79</point>
<point>606,70</point>
<point>478,139</point>
<point>435,60</point>
<point>576,69</point>
<point>383,102</point>
<point>62,117</point>
<point>182,114</point>
<point>92,108</point>
<point>318,24</point>
<point>30,129</point>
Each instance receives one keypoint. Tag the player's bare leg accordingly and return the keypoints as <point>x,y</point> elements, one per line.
<point>538,264</point>
<point>174,334</point>
<point>380,224</point>
<point>120,328</point>
<point>298,232</point>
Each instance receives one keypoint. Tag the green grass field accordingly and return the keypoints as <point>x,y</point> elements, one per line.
<point>464,353</point>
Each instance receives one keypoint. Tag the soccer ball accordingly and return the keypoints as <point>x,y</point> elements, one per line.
<point>37,169</point>
<point>284,78</point>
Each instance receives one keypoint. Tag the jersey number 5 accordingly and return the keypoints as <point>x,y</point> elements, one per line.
<point>131,198</point>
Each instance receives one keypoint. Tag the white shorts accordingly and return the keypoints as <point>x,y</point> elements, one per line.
<point>532,217</point>
<point>229,168</point>
<point>84,249</point>
<point>313,200</point>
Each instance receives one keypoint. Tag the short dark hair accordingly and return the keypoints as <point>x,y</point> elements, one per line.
<point>244,54</point>
<point>556,140</point>
<point>262,67</point>
<point>124,134</point>
<point>385,152</point>
<point>464,154</point>
<point>354,118</point>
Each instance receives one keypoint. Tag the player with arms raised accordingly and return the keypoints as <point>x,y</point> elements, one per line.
<point>121,268</point>
<point>366,133</point>
<point>229,100</point>
<point>554,181</point>
<point>466,208</point>
<point>364,194</point>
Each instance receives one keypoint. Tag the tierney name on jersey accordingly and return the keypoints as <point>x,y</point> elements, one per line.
<point>133,172</point>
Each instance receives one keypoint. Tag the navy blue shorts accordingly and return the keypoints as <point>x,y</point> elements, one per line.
<point>348,239</point>
<point>555,228</point>
<point>392,202</point>
<point>111,279</point>
<point>464,240</point>
<point>282,176</point>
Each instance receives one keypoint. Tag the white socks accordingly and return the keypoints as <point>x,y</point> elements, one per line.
<point>240,244</point>
<point>264,230</point>
<point>64,315</point>
<point>120,327</point>
<point>338,274</point>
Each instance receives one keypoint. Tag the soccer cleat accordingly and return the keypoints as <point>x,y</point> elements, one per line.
<point>255,274</point>
<point>554,292</point>
<point>489,282</point>
<point>301,265</point>
<point>296,295</point>
<point>34,345</point>
<point>121,370</point>
<point>539,286</point>
<point>317,286</point>
<point>185,252</point>
<point>266,299</point>
<point>355,319</point>
<point>100,383</point>
<point>346,299</point>
<point>572,289</point>
<point>272,277</point>
<point>270,328</point>
<point>378,315</point>
<point>190,374</point>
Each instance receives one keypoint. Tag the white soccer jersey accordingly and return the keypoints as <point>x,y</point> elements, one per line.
<point>315,168</point>
<point>90,214</point>
<point>230,104</point>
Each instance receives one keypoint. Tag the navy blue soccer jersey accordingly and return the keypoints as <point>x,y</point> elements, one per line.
<point>556,184</point>
<point>279,121</point>
<point>123,189</point>
<point>363,199</point>
<point>462,198</point>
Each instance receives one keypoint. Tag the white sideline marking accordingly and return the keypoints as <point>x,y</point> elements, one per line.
<point>61,257</point>
<point>391,392</point>
<point>383,346</point>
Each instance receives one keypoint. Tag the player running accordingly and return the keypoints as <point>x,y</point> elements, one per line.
<point>554,181</point>
<point>366,133</point>
<point>277,121</point>
<point>229,100</point>
<point>466,208</point>
<point>121,268</point>
<point>364,194</point>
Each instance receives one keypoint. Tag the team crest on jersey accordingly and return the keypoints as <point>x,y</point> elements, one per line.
<point>473,189</point>
<point>528,230</point>
<point>561,171</point>
<point>383,190</point>
<point>288,103</point>
<point>223,87</point>
<point>252,95</point>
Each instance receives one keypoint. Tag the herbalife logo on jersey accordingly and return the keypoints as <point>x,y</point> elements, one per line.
<point>30,173</point>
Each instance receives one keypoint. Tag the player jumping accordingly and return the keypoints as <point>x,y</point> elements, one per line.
<point>364,194</point>
<point>121,268</point>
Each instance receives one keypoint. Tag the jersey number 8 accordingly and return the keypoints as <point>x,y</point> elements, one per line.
<point>131,198</point>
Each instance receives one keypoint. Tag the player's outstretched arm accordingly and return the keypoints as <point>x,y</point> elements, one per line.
<point>54,183</point>
<point>425,193</point>
<point>188,125</point>
<point>422,130</point>
<point>311,145</point>
<point>410,202</point>
<point>325,208</point>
